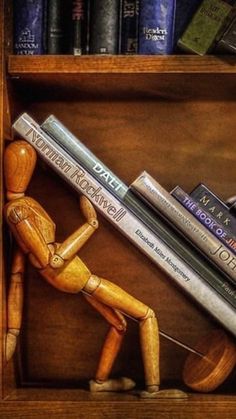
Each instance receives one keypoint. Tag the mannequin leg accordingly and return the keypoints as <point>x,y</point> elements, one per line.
<point>113,296</point>
<point>110,350</point>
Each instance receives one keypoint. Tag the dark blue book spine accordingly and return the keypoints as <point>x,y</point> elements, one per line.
<point>214,206</point>
<point>28,16</point>
<point>185,9</point>
<point>129,27</point>
<point>205,218</point>
<point>156,26</point>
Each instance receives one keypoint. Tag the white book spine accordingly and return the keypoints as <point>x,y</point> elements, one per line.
<point>127,223</point>
<point>199,235</point>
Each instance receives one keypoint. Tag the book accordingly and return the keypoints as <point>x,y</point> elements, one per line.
<point>126,222</point>
<point>207,23</point>
<point>219,210</point>
<point>156,27</point>
<point>184,12</point>
<point>104,26</point>
<point>227,42</point>
<point>73,146</point>
<point>191,228</point>
<point>28,27</point>
<point>79,23</point>
<point>58,26</point>
<point>129,27</point>
<point>205,218</point>
<point>231,203</point>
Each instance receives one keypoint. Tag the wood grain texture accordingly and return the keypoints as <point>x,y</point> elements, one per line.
<point>119,64</point>
<point>213,407</point>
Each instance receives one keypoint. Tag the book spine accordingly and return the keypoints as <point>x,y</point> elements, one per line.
<point>104,26</point>
<point>126,222</point>
<point>78,151</point>
<point>208,21</point>
<point>58,39</point>
<point>227,42</point>
<point>205,218</point>
<point>191,228</point>
<point>28,27</point>
<point>129,27</point>
<point>80,23</point>
<point>185,9</point>
<point>156,26</point>
<point>214,206</point>
<point>78,17</point>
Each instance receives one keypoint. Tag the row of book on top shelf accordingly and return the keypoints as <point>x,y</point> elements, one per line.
<point>191,237</point>
<point>123,26</point>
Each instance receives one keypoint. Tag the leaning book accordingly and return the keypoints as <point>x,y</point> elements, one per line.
<point>126,222</point>
<point>204,240</point>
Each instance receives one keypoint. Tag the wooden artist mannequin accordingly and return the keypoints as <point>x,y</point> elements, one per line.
<point>58,263</point>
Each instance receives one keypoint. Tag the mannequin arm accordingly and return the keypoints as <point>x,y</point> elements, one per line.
<point>76,240</point>
<point>24,227</point>
<point>15,303</point>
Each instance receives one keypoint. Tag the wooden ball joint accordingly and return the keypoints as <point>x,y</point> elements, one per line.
<point>34,232</point>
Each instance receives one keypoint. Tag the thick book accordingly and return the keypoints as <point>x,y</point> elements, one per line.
<point>58,26</point>
<point>205,218</point>
<point>191,228</point>
<point>184,12</point>
<point>104,26</point>
<point>126,222</point>
<point>129,25</point>
<point>28,27</point>
<point>219,210</point>
<point>206,25</point>
<point>110,181</point>
<point>156,27</point>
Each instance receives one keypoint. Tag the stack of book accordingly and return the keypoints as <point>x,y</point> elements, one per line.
<point>190,237</point>
<point>124,26</point>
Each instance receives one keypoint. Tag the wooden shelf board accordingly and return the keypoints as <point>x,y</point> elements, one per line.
<point>68,64</point>
<point>42,403</point>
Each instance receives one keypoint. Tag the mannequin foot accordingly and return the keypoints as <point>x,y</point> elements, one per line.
<point>162,394</point>
<point>115,384</point>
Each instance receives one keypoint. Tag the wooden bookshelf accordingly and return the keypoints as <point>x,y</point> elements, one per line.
<point>173,116</point>
<point>121,64</point>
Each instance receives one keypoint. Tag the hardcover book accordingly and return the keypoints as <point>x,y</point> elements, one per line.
<point>185,10</point>
<point>126,222</point>
<point>156,26</point>
<point>79,23</point>
<point>219,210</point>
<point>104,26</point>
<point>191,228</point>
<point>205,218</point>
<point>227,42</point>
<point>207,23</point>
<point>129,27</point>
<point>59,26</point>
<point>78,151</point>
<point>28,27</point>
